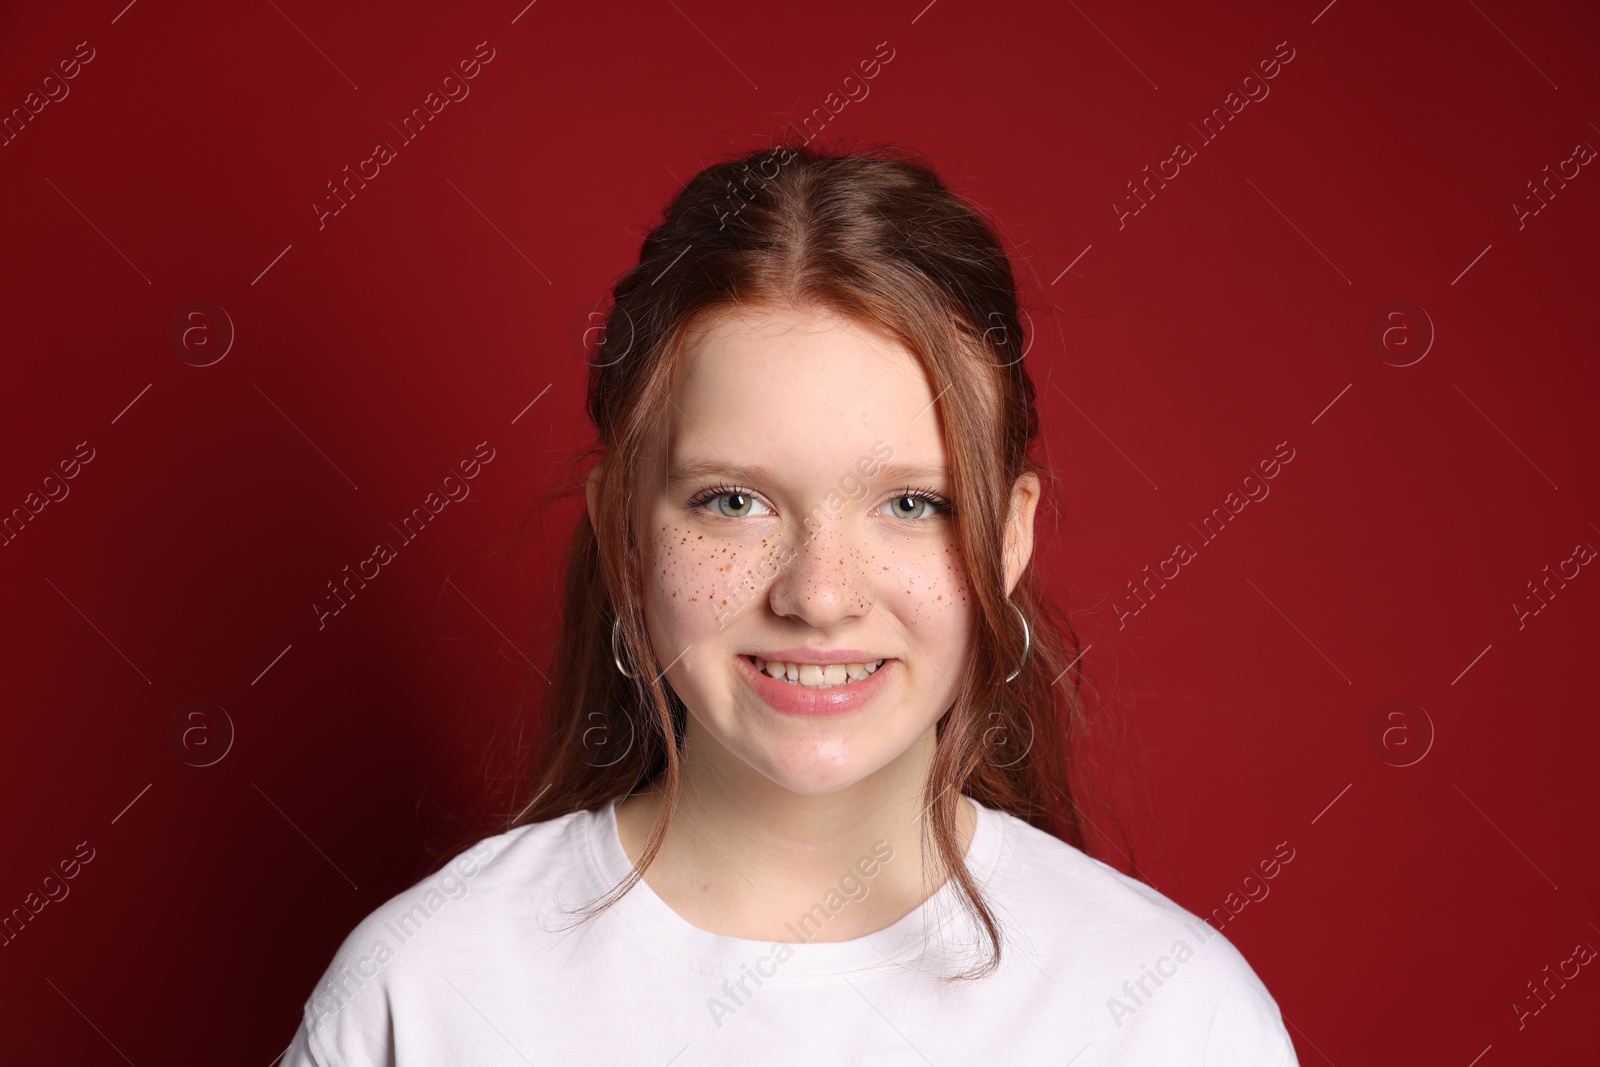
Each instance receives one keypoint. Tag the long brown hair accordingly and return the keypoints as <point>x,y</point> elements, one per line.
<point>874,235</point>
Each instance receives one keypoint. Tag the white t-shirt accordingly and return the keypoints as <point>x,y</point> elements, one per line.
<point>471,968</point>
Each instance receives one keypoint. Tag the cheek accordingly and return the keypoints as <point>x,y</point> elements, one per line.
<point>682,579</point>
<point>927,584</point>
<point>700,583</point>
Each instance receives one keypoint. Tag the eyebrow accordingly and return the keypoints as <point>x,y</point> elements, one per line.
<point>887,472</point>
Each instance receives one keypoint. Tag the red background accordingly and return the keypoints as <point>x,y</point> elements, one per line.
<point>374,354</point>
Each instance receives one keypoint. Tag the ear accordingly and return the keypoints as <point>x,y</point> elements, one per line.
<point>1019,527</point>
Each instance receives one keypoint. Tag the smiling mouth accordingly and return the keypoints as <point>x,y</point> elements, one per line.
<point>814,676</point>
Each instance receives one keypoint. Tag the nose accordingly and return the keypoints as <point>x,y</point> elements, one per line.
<point>821,578</point>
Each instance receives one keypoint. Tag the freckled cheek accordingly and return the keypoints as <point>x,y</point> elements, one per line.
<point>688,579</point>
<point>933,599</point>
<point>929,588</point>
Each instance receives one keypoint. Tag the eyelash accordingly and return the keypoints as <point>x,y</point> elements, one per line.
<point>937,502</point>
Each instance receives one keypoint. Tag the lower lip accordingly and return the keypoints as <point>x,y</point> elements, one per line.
<point>790,699</point>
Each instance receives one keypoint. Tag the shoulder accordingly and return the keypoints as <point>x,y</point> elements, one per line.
<point>1038,871</point>
<point>465,908</point>
<point>1153,971</point>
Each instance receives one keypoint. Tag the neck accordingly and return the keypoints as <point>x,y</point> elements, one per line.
<point>745,857</point>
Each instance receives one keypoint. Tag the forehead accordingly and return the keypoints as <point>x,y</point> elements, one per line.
<point>800,389</point>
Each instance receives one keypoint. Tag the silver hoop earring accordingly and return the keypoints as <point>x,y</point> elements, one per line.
<point>616,624</point>
<point>1027,640</point>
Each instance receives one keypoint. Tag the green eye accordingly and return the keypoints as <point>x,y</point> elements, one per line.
<point>930,501</point>
<point>740,502</point>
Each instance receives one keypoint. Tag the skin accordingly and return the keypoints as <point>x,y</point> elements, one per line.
<point>775,808</point>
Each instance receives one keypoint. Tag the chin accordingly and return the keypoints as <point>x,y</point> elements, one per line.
<point>805,782</point>
<point>816,766</point>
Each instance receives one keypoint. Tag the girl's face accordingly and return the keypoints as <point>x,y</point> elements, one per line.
<point>799,516</point>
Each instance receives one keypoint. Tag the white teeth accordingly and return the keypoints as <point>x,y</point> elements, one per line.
<point>814,675</point>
